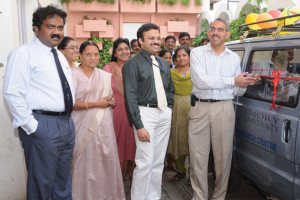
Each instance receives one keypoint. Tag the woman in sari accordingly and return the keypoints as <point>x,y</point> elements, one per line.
<point>178,144</point>
<point>123,129</point>
<point>96,171</point>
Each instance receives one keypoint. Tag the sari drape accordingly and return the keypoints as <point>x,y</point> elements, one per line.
<point>96,170</point>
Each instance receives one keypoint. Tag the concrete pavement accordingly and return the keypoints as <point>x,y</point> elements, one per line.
<point>180,190</point>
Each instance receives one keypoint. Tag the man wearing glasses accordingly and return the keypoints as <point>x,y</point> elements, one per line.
<point>217,78</point>
<point>170,42</point>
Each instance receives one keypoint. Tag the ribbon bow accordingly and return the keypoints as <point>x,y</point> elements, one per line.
<point>275,81</point>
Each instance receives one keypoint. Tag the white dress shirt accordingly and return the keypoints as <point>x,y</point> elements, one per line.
<point>32,82</point>
<point>213,75</point>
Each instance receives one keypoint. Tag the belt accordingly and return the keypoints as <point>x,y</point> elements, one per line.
<point>149,105</point>
<point>62,114</point>
<point>207,100</point>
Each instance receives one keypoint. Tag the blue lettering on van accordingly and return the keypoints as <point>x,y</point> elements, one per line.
<point>267,144</point>
<point>258,140</point>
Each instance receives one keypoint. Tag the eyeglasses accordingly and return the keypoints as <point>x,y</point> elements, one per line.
<point>213,29</point>
<point>123,49</point>
<point>72,47</point>
<point>170,42</point>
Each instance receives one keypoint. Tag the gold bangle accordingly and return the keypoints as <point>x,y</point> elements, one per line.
<point>86,106</point>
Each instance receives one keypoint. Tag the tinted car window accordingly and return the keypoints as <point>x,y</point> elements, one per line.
<point>264,63</point>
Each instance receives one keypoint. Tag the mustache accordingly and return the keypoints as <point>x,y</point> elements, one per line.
<point>216,36</point>
<point>156,44</point>
<point>56,36</point>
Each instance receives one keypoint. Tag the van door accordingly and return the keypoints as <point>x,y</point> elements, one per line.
<point>265,140</point>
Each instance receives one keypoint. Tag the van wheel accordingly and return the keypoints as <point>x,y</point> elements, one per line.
<point>235,180</point>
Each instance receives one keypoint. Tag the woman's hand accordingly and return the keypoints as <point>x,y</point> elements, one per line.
<point>111,100</point>
<point>106,101</point>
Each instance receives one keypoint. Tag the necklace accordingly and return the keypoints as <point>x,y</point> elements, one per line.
<point>183,71</point>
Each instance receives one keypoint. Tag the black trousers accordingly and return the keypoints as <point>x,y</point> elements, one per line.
<point>48,156</point>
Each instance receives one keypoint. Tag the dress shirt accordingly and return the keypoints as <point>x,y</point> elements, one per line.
<point>32,83</point>
<point>213,75</point>
<point>173,66</point>
<point>139,85</point>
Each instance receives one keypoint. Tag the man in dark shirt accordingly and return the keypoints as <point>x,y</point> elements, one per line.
<point>148,94</point>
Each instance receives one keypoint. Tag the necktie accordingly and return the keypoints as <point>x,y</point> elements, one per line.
<point>160,91</point>
<point>65,85</point>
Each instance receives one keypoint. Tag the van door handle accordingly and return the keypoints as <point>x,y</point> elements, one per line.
<point>237,103</point>
<point>287,128</point>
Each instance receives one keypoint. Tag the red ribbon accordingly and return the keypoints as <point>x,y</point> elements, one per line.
<point>275,81</point>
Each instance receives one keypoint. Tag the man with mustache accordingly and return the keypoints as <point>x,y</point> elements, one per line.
<point>148,95</point>
<point>135,46</point>
<point>217,78</point>
<point>39,92</point>
<point>184,39</point>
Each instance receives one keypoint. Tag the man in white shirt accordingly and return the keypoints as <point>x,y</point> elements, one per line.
<point>39,92</point>
<point>217,78</point>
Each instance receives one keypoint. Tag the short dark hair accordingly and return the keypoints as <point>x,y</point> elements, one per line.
<point>87,43</point>
<point>132,41</point>
<point>205,40</point>
<point>163,52</point>
<point>184,34</point>
<point>43,13</point>
<point>64,43</point>
<point>187,50</point>
<point>170,37</point>
<point>145,28</point>
<point>115,46</point>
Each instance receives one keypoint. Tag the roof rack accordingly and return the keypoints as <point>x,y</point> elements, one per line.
<point>275,31</point>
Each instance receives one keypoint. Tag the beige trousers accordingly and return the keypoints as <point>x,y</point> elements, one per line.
<point>211,123</point>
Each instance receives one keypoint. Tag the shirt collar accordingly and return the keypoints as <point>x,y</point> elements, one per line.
<point>41,46</point>
<point>147,54</point>
<point>208,48</point>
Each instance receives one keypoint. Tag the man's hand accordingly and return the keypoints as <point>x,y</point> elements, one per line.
<point>255,80</point>
<point>143,135</point>
<point>242,80</point>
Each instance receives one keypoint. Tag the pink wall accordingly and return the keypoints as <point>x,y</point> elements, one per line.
<point>131,12</point>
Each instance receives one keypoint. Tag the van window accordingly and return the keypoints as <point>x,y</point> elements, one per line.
<point>263,63</point>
